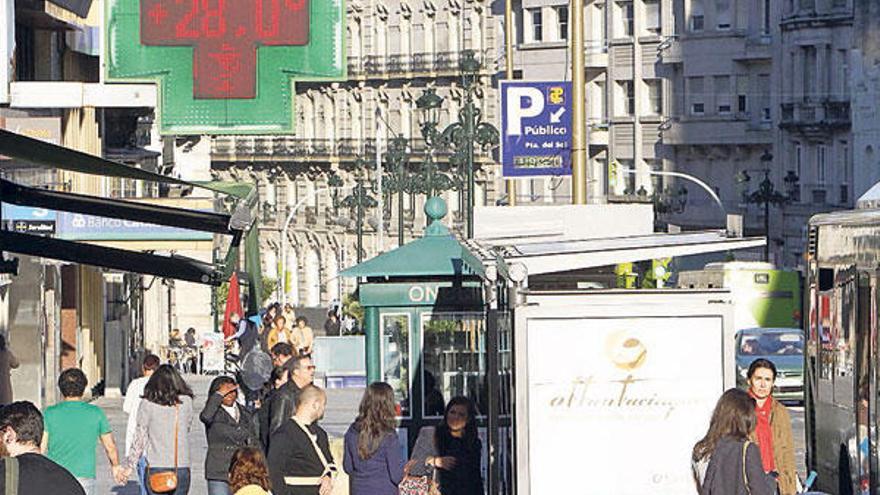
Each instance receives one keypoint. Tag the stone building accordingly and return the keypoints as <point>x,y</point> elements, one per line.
<point>395,50</point>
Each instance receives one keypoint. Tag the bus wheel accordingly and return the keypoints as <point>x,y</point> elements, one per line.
<point>844,475</point>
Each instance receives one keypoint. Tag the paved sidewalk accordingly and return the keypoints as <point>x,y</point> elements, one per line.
<point>341,409</point>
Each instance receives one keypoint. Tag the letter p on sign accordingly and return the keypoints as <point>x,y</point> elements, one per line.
<point>516,111</point>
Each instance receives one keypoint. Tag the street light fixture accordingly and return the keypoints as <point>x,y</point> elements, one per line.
<point>468,131</point>
<point>359,199</point>
<point>398,181</point>
<point>766,194</point>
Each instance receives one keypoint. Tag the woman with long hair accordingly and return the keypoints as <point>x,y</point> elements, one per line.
<point>164,415</point>
<point>249,473</point>
<point>227,427</point>
<point>372,454</point>
<point>451,452</point>
<point>725,461</point>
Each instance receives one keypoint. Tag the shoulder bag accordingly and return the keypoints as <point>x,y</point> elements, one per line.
<point>166,481</point>
<point>329,468</point>
<point>419,485</point>
<point>746,476</point>
<point>11,482</point>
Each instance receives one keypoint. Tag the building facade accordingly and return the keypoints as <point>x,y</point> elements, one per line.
<point>395,51</point>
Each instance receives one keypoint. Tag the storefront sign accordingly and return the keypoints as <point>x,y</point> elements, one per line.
<point>421,294</point>
<point>76,227</point>
<point>41,227</point>
<point>46,129</point>
<point>225,67</point>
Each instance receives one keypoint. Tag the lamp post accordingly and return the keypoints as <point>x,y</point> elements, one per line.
<point>466,132</point>
<point>398,178</point>
<point>766,194</point>
<point>432,177</point>
<point>358,200</point>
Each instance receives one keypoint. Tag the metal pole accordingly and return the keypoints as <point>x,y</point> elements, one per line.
<point>379,182</point>
<point>579,128</point>
<point>767,230</point>
<point>400,191</point>
<point>360,219</point>
<point>508,55</point>
<point>469,132</point>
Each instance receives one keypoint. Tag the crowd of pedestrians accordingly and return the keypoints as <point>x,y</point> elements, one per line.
<point>269,442</point>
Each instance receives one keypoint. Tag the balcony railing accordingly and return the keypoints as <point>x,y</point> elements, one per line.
<point>815,116</point>
<point>298,148</point>
<point>419,63</point>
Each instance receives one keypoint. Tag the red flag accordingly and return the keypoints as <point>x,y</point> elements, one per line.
<point>233,305</point>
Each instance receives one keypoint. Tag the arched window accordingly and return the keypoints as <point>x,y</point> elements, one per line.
<point>312,271</point>
<point>332,279</point>
<point>292,283</point>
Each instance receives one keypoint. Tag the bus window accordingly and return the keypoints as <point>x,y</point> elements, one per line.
<point>843,344</point>
<point>826,353</point>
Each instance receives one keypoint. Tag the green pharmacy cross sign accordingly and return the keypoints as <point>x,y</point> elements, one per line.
<point>225,66</point>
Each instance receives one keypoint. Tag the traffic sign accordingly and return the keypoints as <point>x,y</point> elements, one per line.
<point>535,128</point>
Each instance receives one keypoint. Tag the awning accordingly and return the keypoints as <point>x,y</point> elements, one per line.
<point>553,257</point>
<point>241,222</point>
<point>176,267</point>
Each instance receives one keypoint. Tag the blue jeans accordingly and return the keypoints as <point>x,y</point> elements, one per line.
<point>217,487</point>
<point>182,481</point>
<point>142,480</point>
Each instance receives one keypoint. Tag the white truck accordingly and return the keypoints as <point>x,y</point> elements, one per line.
<point>613,388</point>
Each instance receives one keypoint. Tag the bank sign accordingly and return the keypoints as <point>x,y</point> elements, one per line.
<point>536,128</point>
<point>225,67</point>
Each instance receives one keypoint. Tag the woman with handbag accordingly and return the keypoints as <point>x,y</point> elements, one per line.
<point>725,461</point>
<point>372,454</point>
<point>163,424</point>
<point>447,458</point>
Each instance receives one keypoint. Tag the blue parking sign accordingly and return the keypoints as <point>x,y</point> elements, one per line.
<point>535,128</point>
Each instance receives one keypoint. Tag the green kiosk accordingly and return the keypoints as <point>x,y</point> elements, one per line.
<point>437,326</point>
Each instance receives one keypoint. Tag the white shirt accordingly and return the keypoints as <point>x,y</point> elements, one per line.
<point>231,410</point>
<point>130,406</point>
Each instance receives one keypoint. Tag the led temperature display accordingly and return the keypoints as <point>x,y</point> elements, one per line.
<point>224,35</point>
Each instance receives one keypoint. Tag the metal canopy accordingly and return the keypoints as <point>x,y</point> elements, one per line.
<point>437,254</point>
<point>553,257</point>
<point>176,267</point>
<point>58,157</point>
<point>18,194</point>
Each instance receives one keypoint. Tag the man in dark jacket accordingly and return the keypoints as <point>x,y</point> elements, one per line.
<point>21,430</point>
<point>228,426</point>
<point>282,405</point>
<point>300,462</point>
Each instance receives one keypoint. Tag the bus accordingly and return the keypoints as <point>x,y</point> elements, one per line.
<point>842,341</point>
<point>764,297</point>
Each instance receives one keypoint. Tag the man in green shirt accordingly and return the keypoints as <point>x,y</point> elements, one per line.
<point>72,429</point>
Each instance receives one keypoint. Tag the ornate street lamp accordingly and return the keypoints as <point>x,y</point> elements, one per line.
<point>766,194</point>
<point>358,200</point>
<point>461,136</point>
<point>398,180</point>
<point>432,177</point>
